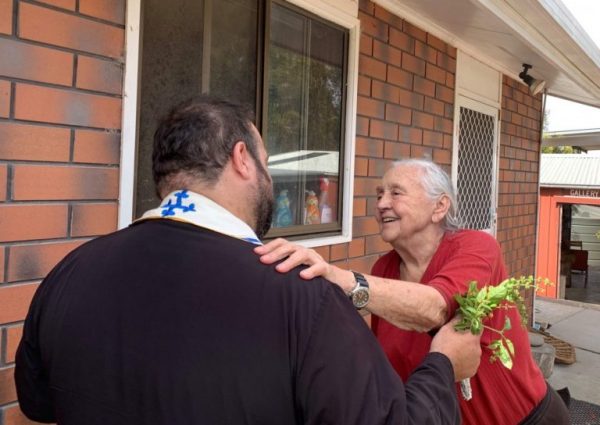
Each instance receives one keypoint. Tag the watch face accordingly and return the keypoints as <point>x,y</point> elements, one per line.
<point>360,297</point>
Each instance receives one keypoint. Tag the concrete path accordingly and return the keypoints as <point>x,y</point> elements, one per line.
<point>579,325</point>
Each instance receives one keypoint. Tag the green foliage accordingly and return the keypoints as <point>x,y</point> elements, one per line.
<point>479,304</point>
<point>561,149</point>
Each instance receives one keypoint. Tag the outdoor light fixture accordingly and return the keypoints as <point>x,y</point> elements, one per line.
<point>535,86</point>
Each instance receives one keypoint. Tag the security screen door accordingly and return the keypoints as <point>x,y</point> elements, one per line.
<point>475,164</point>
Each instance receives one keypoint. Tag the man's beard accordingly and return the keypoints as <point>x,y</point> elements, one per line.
<point>264,202</point>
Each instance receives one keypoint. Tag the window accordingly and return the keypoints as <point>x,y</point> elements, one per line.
<point>290,65</point>
<point>476,165</point>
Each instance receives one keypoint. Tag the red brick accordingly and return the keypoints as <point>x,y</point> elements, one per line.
<point>423,86</point>
<point>436,42</point>
<point>99,75</point>
<point>323,251</point>
<point>362,226</point>
<point>366,6</point>
<point>3,181</point>
<point>67,107</point>
<point>363,264</point>
<point>369,147</point>
<point>402,40</point>
<point>374,244</point>
<point>93,219</point>
<point>387,53</point>
<point>362,126</point>
<point>398,114</point>
<point>446,62</point>
<point>399,77</point>
<point>373,26</point>
<point>386,16</point>
<point>450,80</point>
<point>385,91</point>
<point>415,32</point>
<point>410,135</point>
<point>435,73</point>
<point>8,393</point>
<point>442,156</point>
<point>359,207</point>
<point>4,99</point>
<point>383,130</point>
<point>6,15</point>
<point>13,337</point>
<point>420,152</point>
<point>413,64</point>
<point>433,106</point>
<point>356,248</point>
<point>28,222</point>
<point>361,167</point>
<point>24,142</point>
<point>432,138</point>
<point>365,186</point>
<point>378,167</point>
<point>444,93</point>
<point>366,45</point>
<point>411,99</point>
<point>29,62</point>
<point>73,32</point>
<point>442,125</point>
<point>64,4</point>
<point>339,252</point>
<point>40,182</point>
<point>425,52</point>
<point>15,300</point>
<point>34,261</point>
<point>422,120</point>
<point>370,107</point>
<point>99,147</point>
<point>2,250</point>
<point>109,10</point>
<point>364,85</point>
<point>396,151</point>
<point>14,416</point>
<point>372,67</point>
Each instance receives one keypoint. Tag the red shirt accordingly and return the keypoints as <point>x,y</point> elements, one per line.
<point>500,396</point>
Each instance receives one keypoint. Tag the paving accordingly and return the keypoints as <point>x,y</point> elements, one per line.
<point>578,324</point>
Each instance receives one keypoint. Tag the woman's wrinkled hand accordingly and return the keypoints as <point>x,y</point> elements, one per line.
<point>294,255</point>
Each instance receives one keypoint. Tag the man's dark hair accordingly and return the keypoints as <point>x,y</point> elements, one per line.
<point>196,139</point>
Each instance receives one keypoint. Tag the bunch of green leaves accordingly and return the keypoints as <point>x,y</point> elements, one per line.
<point>478,305</point>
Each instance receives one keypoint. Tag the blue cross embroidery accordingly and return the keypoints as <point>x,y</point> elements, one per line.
<point>169,208</point>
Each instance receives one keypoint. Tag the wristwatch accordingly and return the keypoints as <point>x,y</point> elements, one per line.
<point>360,294</point>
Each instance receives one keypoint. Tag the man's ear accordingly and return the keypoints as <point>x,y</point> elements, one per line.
<point>442,205</point>
<point>241,160</point>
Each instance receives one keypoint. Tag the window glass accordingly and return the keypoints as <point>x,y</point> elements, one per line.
<point>286,64</point>
<point>304,118</point>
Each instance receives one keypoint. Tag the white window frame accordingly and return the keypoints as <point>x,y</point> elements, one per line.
<point>341,12</point>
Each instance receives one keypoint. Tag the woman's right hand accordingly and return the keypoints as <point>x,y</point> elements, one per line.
<point>297,255</point>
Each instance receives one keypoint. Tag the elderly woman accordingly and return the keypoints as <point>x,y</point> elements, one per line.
<point>411,291</point>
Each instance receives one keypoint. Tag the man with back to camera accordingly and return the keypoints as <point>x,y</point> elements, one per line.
<point>173,320</point>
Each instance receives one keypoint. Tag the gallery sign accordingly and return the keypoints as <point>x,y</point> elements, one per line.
<point>585,193</point>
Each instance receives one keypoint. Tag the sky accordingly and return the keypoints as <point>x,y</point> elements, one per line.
<point>563,114</point>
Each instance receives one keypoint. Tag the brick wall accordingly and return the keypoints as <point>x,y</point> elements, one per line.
<point>60,109</point>
<point>60,117</point>
<point>405,109</point>
<point>520,147</point>
<point>519,169</point>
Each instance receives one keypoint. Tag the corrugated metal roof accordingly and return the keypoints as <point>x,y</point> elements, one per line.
<point>581,171</point>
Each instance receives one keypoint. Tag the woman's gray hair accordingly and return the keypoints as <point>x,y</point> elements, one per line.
<point>436,183</point>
